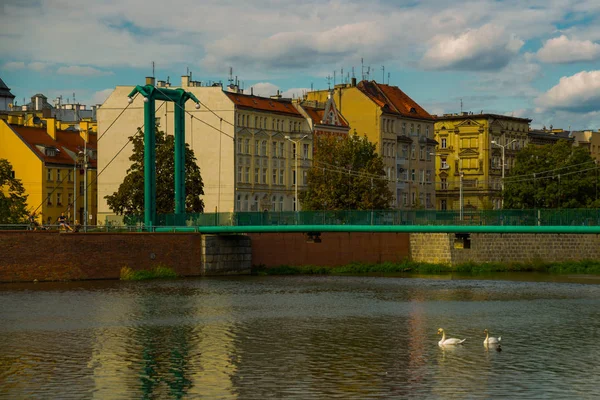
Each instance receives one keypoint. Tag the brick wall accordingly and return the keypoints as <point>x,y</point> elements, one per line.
<point>69,256</point>
<point>275,249</point>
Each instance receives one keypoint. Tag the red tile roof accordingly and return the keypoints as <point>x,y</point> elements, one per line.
<point>70,140</point>
<point>392,100</point>
<point>316,114</point>
<point>263,104</point>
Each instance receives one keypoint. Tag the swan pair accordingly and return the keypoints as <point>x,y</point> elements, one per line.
<point>452,341</point>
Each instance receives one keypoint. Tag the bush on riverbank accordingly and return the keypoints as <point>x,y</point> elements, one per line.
<point>158,272</point>
<point>410,267</point>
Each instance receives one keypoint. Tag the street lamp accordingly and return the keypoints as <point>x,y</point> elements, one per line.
<point>503,163</point>
<point>296,143</point>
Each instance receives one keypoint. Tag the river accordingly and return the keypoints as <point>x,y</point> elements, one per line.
<point>300,337</point>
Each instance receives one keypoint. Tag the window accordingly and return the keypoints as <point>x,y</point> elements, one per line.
<point>245,203</point>
<point>256,171</point>
<point>443,184</point>
<point>304,177</point>
<point>70,198</point>
<point>274,149</point>
<point>419,129</point>
<point>59,199</point>
<point>412,175</point>
<point>428,153</point>
<point>49,174</point>
<point>264,176</point>
<point>413,151</point>
<point>444,143</point>
<point>281,203</point>
<point>412,129</point>
<point>414,198</point>
<point>58,175</point>
<point>281,174</point>
<point>290,125</point>
<point>444,164</point>
<point>427,131</point>
<point>247,146</point>
<point>239,145</point>
<point>239,173</point>
<point>293,177</point>
<point>404,128</point>
<point>305,151</point>
<point>294,150</point>
<point>273,203</point>
<point>255,204</point>
<point>422,176</point>
<point>49,199</point>
<point>422,153</point>
<point>274,180</point>
<point>428,176</point>
<point>263,148</point>
<point>238,205</point>
<point>256,147</point>
<point>405,151</point>
<point>281,149</point>
<point>247,175</point>
<point>404,198</point>
<point>70,178</point>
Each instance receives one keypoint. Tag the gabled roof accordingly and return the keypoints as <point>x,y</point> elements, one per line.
<point>318,115</point>
<point>5,90</point>
<point>37,139</point>
<point>392,100</point>
<point>252,102</point>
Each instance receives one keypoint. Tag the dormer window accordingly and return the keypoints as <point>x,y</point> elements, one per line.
<point>50,151</point>
<point>413,110</point>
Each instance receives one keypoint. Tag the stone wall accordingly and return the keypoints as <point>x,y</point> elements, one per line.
<point>494,247</point>
<point>431,247</point>
<point>276,249</point>
<point>226,254</point>
<point>522,247</point>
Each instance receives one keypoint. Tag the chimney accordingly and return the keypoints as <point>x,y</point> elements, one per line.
<point>160,84</point>
<point>353,82</point>
<point>84,127</point>
<point>51,127</point>
<point>150,80</point>
<point>185,81</point>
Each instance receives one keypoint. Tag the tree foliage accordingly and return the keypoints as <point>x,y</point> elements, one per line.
<point>552,176</point>
<point>13,200</point>
<point>129,198</point>
<point>347,174</point>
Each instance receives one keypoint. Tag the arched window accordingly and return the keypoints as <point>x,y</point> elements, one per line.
<point>281,203</point>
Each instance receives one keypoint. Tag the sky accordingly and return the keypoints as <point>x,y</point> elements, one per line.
<point>538,59</point>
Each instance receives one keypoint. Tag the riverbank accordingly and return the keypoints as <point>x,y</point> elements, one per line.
<point>410,267</point>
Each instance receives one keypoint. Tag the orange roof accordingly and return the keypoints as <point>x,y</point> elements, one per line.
<point>263,104</point>
<point>317,114</point>
<point>70,140</point>
<point>392,100</point>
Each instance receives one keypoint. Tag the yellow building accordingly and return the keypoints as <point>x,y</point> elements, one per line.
<point>402,131</point>
<point>239,140</point>
<point>469,157</point>
<point>47,160</point>
<point>590,140</point>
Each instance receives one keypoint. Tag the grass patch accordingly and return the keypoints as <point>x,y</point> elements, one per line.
<point>158,272</point>
<point>410,267</point>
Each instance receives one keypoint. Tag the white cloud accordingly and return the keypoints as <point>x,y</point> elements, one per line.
<point>37,66</point>
<point>483,49</point>
<point>295,93</point>
<point>263,89</point>
<point>82,71</point>
<point>565,50</point>
<point>14,65</point>
<point>578,93</point>
<point>100,96</point>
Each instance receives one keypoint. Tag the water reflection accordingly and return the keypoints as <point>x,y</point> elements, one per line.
<point>298,337</point>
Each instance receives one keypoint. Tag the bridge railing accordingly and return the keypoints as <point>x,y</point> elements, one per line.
<point>538,217</point>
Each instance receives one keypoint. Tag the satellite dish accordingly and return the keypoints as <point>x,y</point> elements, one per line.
<point>37,120</point>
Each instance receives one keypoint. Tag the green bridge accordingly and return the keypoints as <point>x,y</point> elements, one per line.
<point>488,221</point>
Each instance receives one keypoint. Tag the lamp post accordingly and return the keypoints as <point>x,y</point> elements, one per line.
<point>296,143</point>
<point>503,163</point>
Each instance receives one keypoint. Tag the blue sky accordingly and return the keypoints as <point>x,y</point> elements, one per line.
<point>538,59</point>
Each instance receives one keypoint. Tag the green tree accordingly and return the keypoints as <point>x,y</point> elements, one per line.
<point>347,174</point>
<point>13,200</point>
<point>552,176</point>
<point>129,198</point>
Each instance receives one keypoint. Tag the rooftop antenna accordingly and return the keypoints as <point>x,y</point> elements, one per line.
<point>461,106</point>
<point>187,71</point>
<point>153,69</point>
<point>368,72</point>
<point>383,74</point>
<point>362,68</point>
<point>388,78</point>
<point>311,86</point>
<point>334,78</point>
<point>328,77</point>
<point>74,101</point>
<point>353,72</point>
<point>342,75</point>
<point>230,75</point>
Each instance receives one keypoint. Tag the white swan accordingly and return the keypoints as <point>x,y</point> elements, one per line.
<point>491,340</point>
<point>450,341</point>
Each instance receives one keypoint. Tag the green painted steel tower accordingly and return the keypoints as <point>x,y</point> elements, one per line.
<point>179,97</point>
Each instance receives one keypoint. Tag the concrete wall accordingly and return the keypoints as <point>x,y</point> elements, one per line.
<point>491,247</point>
<point>273,249</point>
<point>226,254</point>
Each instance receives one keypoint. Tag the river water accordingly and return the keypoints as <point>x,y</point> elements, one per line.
<point>300,337</point>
